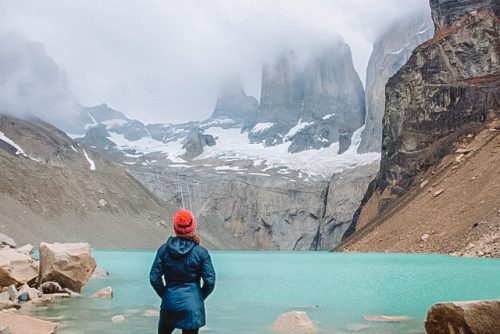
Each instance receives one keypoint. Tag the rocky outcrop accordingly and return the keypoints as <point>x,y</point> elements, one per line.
<point>16,268</point>
<point>390,53</point>
<point>447,91</point>
<point>294,322</point>
<point>474,317</point>
<point>309,104</point>
<point>450,85</point>
<point>70,265</point>
<point>194,144</point>
<point>233,103</point>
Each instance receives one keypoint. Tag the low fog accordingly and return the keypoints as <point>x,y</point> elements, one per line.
<point>163,61</point>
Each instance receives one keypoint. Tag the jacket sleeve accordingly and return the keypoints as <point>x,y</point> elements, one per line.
<point>156,273</point>
<point>208,276</point>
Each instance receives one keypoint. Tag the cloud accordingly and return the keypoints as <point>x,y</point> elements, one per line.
<point>162,61</point>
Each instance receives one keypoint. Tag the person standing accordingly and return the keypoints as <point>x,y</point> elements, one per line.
<point>179,266</point>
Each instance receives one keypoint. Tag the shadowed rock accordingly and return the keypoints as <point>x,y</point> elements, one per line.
<point>474,317</point>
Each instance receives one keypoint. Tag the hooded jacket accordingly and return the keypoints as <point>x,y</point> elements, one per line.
<point>182,263</point>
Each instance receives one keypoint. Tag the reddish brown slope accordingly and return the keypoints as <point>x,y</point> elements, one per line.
<point>464,218</point>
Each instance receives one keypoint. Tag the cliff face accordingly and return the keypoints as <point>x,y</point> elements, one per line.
<point>309,104</point>
<point>449,87</point>
<point>242,207</point>
<point>390,53</point>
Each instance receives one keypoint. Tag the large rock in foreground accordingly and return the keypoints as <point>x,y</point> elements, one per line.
<point>475,317</point>
<point>16,268</point>
<point>71,265</point>
<point>297,322</point>
<point>22,324</point>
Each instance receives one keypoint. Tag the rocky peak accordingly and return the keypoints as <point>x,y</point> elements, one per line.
<point>233,103</point>
<point>390,52</point>
<point>310,103</point>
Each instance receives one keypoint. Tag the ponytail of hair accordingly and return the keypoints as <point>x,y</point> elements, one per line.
<point>196,239</point>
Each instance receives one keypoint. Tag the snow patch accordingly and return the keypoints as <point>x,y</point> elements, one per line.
<point>9,141</point>
<point>325,161</point>
<point>297,128</point>
<point>328,116</point>
<point>90,161</point>
<point>147,145</point>
<point>112,123</point>
<point>259,127</point>
<point>73,148</point>
<point>233,168</point>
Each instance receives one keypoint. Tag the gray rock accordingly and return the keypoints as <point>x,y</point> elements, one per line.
<point>390,53</point>
<point>194,144</point>
<point>344,142</point>
<point>326,93</point>
<point>244,211</point>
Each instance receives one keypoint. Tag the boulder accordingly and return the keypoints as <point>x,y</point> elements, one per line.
<point>26,249</point>
<point>70,265</point>
<point>5,330</point>
<point>104,293</point>
<point>31,293</point>
<point>26,325</point>
<point>6,240</point>
<point>100,272</point>
<point>51,288</point>
<point>297,322</point>
<point>16,268</point>
<point>473,317</point>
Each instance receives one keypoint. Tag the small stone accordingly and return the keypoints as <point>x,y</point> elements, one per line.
<point>51,287</point>
<point>424,237</point>
<point>117,318</point>
<point>102,203</point>
<point>104,293</point>
<point>295,321</point>
<point>12,291</point>
<point>100,272</point>
<point>4,330</point>
<point>151,313</point>
<point>437,193</point>
<point>459,158</point>
<point>423,184</point>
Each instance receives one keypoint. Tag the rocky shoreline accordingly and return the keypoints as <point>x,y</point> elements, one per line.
<point>26,282</point>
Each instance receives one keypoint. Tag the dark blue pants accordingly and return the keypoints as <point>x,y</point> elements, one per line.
<point>165,328</point>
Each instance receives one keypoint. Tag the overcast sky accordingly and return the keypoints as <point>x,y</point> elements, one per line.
<point>162,61</point>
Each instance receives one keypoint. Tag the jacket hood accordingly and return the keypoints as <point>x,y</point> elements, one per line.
<point>179,247</point>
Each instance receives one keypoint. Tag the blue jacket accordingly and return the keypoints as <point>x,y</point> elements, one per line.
<point>182,264</point>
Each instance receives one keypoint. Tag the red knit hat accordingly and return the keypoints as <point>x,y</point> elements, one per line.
<point>184,224</point>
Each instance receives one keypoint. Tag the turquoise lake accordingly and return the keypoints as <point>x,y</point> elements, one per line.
<point>254,288</point>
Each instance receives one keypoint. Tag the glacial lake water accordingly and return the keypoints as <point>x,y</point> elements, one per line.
<point>254,288</point>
